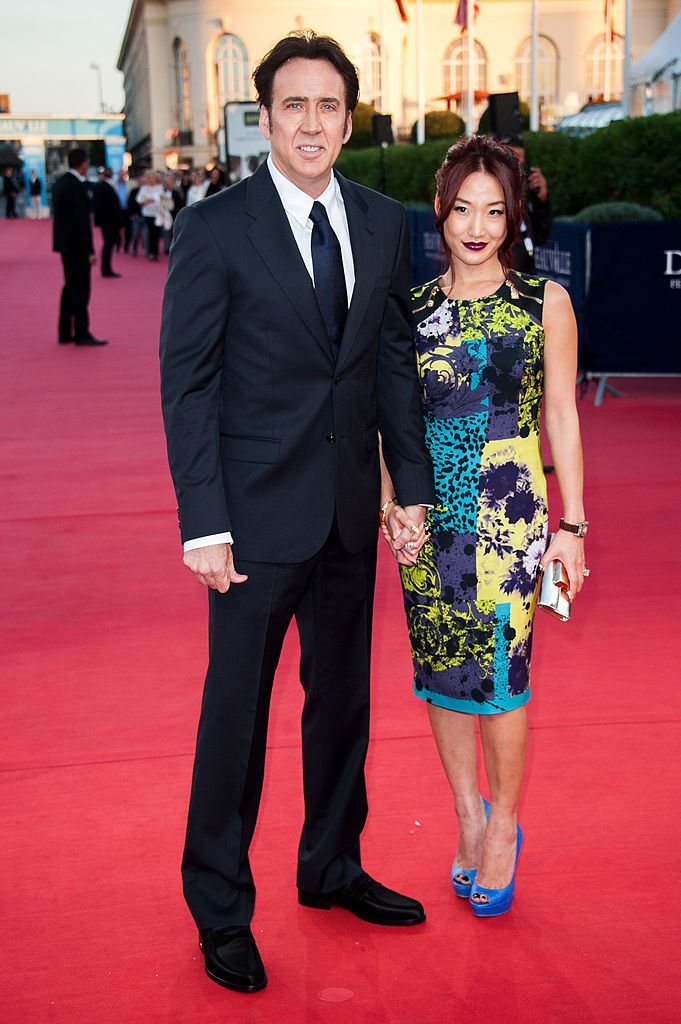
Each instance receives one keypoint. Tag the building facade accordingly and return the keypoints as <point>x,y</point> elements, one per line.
<point>183,59</point>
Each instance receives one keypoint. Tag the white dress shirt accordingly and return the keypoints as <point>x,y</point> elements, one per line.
<point>298,206</point>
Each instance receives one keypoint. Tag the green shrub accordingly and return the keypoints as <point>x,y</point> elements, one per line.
<point>603,213</point>
<point>634,161</point>
<point>407,173</point>
<point>631,161</point>
<point>361,127</point>
<point>441,124</point>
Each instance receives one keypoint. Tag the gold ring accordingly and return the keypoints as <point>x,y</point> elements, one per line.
<point>586,572</point>
<point>414,528</point>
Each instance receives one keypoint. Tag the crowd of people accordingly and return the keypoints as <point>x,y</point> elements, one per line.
<point>147,204</point>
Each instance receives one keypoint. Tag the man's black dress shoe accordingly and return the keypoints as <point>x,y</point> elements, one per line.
<point>66,341</point>
<point>90,341</point>
<point>368,900</point>
<point>232,958</point>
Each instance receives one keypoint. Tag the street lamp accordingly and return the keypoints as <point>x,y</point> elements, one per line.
<point>96,67</point>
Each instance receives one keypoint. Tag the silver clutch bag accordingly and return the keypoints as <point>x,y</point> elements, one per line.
<point>553,596</point>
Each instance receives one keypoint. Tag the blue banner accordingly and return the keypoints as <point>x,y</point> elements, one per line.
<point>633,303</point>
<point>427,259</point>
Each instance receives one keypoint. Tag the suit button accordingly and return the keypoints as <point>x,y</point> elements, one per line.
<point>331,438</point>
<point>338,380</point>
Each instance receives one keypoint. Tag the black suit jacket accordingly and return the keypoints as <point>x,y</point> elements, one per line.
<point>71,228</point>
<point>108,213</point>
<point>267,436</point>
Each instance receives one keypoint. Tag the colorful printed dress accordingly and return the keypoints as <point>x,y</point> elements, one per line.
<point>470,597</point>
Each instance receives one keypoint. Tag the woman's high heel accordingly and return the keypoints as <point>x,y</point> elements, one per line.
<point>498,900</point>
<point>463,889</point>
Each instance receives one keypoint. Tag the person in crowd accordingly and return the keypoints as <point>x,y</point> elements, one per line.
<point>11,193</point>
<point>285,346</point>
<point>72,239</point>
<point>172,191</point>
<point>137,221</point>
<point>491,345</point>
<point>216,182</point>
<point>185,183</point>
<point>123,187</point>
<point>198,188</point>
<point>155,203</point>
<point>108,218</point>
<point>537,217</point>
<point>35,188</point>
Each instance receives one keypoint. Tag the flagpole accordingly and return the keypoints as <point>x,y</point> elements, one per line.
<point>470,85</point>
<point>420,77</point>
<point>626,84</point>
<point>608,52</point>
<point>534,76</point>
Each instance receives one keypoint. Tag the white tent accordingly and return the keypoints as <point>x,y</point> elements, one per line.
<point>656,76</point>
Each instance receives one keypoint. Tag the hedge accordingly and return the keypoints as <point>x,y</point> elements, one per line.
<point>607,213</point>
<point>634,161</point>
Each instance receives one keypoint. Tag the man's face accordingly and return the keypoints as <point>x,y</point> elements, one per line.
<point>308,123</point>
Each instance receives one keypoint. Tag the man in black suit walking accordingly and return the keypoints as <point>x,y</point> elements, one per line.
<point>72,238</point>
<point>285,348</point>
<point>108,217</point>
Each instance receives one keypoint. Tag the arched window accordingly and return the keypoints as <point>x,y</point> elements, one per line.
<point>547,71</point>
<point>183,93</point>
<point>231,70</point>
<point>371,71</point>
<point>604,68</point>
<point>455,67</point>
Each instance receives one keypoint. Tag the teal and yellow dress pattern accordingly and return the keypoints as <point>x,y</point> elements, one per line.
<point>471,596</point>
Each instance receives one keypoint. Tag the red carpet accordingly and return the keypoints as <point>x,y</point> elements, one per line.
<point>103,651</point>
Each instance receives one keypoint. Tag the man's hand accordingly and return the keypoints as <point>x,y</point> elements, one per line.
<point>93,258</point>
<point>536,182</point>
<point>406,532</point>
<point>214,566</point>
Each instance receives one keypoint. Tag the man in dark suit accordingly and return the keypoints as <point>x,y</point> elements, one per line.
<point>11,192</point>
<point>108,217</point>
<point>285,349</point>
<point>72,238</point>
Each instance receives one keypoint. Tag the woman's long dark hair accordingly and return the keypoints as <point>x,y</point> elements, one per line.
<point>481,153</point>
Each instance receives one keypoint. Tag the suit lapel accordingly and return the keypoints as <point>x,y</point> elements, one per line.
<point>271,235</point>
<point>361,238</point>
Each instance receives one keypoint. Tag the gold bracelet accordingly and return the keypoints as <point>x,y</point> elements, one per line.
<point>384,509</point>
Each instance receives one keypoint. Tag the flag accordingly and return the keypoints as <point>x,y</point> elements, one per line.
<point>461,15</point>
<point>401,9</point>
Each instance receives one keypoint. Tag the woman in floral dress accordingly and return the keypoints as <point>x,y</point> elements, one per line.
<point>492,346</point>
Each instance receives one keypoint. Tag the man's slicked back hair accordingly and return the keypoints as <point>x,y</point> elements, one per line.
<point>306,46</point>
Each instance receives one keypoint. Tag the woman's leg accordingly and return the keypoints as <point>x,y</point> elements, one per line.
<point>504,744</point>
<point>454,734</point>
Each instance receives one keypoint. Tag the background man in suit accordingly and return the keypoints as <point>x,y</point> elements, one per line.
<point>72,238</point>
<point>108,217</point>
<point>285,348</point>
<point>11,193</point>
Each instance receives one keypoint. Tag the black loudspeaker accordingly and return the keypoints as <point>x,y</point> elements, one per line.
<point>382,129</point>
<point>504,113</point>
